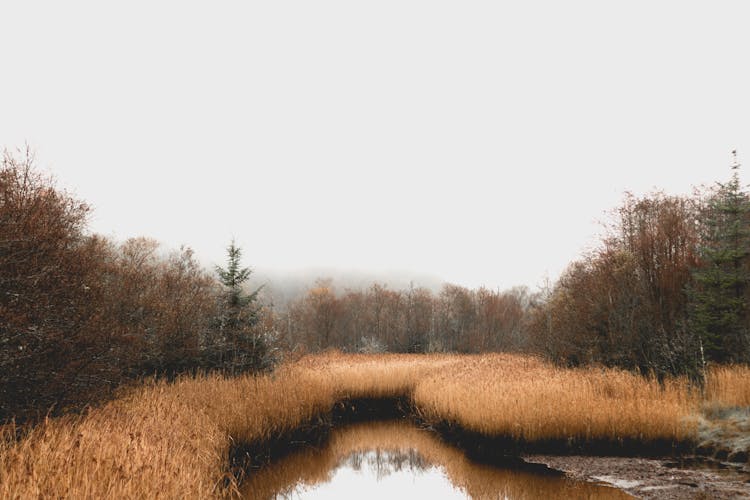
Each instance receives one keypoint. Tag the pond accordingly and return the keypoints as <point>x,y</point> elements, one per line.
<point>395,459</point>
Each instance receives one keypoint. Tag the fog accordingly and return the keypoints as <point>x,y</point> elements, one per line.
<point>475,142</point>
<point>281,286</point>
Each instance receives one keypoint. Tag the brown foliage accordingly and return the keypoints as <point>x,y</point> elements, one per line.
<point>48,279</point>
<point>625,303</point>
<point>80,314</point>
<point>413,320</point>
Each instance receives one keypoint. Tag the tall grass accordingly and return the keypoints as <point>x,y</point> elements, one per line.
<point>728,386</point>
<point>529,400</point>
<point>172,440</point>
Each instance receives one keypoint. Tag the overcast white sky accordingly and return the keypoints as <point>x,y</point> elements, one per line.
<point>478,141</point>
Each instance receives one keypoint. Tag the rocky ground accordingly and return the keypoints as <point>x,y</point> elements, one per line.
<point>724,434</point>
<point>662,479</point>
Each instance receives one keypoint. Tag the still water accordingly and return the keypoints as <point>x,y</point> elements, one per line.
<point>395,459</point>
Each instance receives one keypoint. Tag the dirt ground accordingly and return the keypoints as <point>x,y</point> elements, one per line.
<point>662,479</point>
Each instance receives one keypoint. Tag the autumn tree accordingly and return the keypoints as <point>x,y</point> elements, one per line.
<point>321,314</point>
<point>49,354</point>
<point>419,304</point>
<point>386,317</point>
<point>658,232</point>
<point>625,303</point>
<point>182,308</point>
<point>352,321</point>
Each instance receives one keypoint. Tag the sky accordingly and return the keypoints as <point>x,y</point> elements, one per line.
<point>476,141</point>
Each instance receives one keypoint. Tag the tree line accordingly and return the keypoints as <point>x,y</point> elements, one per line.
<point>666,291</point>
<point>378,319</point>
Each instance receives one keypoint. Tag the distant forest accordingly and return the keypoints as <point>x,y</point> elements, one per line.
<point>666,291</point>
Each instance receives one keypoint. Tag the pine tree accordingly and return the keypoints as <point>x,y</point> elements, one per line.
<point>244,348</point>
<point>241,308</point>
<point>719,311</point>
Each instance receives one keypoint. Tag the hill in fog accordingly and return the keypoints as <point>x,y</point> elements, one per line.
<point>281,287</point>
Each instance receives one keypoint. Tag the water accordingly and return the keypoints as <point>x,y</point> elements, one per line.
<point>395,459</point>
<point>382,474</point>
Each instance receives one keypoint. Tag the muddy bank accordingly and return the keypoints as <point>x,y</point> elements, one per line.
<point>657,478</point>
<point>497,448</point>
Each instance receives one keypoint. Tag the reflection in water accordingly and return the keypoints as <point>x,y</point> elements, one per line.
<point>381,474</point>
<point>395,459</point>
<point>385,462</point>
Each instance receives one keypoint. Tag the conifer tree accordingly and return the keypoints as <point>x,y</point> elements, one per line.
<point>239,313</point>
<point>719,311</point>
<point>241,308</point>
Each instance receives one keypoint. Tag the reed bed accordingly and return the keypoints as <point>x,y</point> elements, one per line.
<point>728,386</point>
<point>165,440</point>
<point>531,401</point>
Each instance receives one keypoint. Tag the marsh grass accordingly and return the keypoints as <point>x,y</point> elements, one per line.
<point>728,386</point>
<point>529,400</point>
<point>164,440</point>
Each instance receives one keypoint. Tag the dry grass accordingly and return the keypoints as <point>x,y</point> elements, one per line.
<point>728,386</point>
<point>529,400</point>
<point>172,440</point>
<point>160,441</point>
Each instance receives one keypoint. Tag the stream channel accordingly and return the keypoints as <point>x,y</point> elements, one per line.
<point>396,459</point>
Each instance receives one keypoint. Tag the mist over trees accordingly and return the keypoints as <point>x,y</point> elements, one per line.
<point>665,292</point>
<point>282,287</point>
<point>378,319</point>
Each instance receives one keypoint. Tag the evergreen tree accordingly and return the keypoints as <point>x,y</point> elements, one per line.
<point>719,311</point>
<point>244,348</point>
<point>241,308</point>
